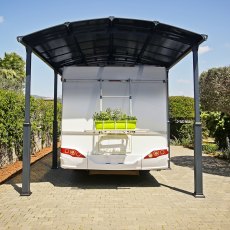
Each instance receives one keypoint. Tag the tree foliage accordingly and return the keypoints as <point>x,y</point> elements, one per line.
<point>14,62</point>
<point>181,108</point>
<point>12,72</point>
<point>218,125</point>
<point>215,90</point>
<point>12,117</point>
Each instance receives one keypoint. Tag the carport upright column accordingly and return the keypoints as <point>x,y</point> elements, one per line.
<point>167,112</point>
<point>55,125</point>
<point>27,129</point>
<point>198,180</point>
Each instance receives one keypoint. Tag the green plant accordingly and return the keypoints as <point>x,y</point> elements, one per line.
<point>218,125</point>
<point>186,142</point>
<point>110,114</point>
<point>215,90</point>
<point>181,108</point>
<point>175,141</point>
<point>12,118</point>
<point>116,114</point>
<point>181,112</point>
<point>101,116</point>
<point>186,135</point>
<point>12,72</point>
<point>209,148</point>
<point>131,118</point>
<point>216,101</point>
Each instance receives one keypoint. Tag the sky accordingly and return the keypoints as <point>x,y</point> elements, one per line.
<point>209,17</point>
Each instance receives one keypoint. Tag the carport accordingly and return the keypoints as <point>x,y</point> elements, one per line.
<point>110,42</point>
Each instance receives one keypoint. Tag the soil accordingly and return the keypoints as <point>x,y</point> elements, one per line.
<point>10,170</point>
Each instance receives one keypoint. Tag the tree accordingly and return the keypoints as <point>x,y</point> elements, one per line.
<point>181,108</point>
<point>215,98</point>
<point>8,79</point>
<point>215,90</point>
<point>12,72</point>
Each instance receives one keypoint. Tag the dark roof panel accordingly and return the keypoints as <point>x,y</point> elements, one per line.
<point>111,41</point>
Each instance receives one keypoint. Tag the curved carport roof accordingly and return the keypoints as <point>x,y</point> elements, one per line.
<point>111,41</point>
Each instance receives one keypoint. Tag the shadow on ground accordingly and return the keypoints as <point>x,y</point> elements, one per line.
<point>41,172</point>
<point>211,165</point>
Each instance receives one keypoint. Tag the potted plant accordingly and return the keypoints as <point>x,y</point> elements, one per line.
<point>114,119</point>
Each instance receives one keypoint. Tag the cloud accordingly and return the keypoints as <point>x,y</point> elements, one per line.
<point>204,49</point>
<point>184,81</point>
<point>1,19</point>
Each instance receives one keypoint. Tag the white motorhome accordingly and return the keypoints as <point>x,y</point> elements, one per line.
<point>139,91</point>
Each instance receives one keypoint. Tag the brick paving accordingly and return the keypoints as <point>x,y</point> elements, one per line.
<point>67,199</point>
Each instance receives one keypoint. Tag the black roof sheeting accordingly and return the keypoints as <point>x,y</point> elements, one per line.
<point>111,42</point>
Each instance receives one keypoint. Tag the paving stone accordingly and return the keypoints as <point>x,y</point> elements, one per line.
<point>67,199</point>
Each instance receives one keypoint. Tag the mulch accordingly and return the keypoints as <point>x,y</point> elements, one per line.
<point>8,171</point>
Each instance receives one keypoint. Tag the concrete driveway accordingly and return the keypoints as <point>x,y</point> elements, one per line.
<point>67,199</point>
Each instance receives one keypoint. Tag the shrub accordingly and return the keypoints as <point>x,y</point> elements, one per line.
<point>216,101</point>
<point>181,108</point>
<point>218,125</point>
<point>209,148</point>
<point>215,90</point>
<point>181,113</point>
<point>186,135</point>
<point>175,141</point>
<point>11,121</point>
<point>12,118</point>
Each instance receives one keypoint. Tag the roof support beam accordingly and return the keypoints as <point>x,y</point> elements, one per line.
<point>197,130</point>
<point>51,65</point>
<point>67,24</point>
<point>146,43</point>
<point>55,126</point>
<point>110,51</point>
<point>27,129</point>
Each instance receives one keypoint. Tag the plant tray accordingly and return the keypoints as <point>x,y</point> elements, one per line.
<point>120,124</point>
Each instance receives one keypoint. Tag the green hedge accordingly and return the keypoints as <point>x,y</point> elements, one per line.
<point>214,124</point>
<point>181,115</point>
<point>11,121</point>
<point>181,108</point>
<point>12,118</point>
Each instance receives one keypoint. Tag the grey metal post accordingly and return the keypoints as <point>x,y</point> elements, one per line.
<point>55,125</point>
<point>198,180</point>
<point>27,129</point>
<point>167,112</point>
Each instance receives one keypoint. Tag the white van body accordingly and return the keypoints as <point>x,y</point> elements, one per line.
<point>140,90</point>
